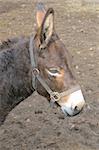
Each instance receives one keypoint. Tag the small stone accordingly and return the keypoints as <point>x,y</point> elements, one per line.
<point>81,30</point>
<point>91,49</point>
<point>79,21</point>
<point>28,120</point>
<point>74,127</point>
<point>78,52</point>
<point>61,40</point>
<point>89,91</point>
<point>38,112</point>
<point>62,117</point>
<point>78,72</point>
<point>74,27</point>
<point>15,117</point>
<point>23,5</point>
<point>76,67</point>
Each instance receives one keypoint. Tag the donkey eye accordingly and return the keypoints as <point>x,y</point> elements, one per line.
<point>53,72</point>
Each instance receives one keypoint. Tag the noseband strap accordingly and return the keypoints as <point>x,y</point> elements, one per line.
<point>54,96</point>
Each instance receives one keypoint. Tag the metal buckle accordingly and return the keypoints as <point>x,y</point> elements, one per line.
<point>55,96</point>
<point>35,71</point>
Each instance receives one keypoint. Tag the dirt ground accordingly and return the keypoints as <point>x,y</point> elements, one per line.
<point>33,124</point>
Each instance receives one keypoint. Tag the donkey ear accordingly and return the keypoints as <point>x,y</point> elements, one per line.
<point>40,13</point>
<point>47,26</point>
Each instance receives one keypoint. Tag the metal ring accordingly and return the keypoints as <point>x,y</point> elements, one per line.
<point>35,71</point>
<point>55,96</point>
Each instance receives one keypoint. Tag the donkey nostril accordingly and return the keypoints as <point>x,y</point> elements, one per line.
<point>76,108</point>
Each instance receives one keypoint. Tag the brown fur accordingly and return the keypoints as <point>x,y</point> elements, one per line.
<point>15,67</point>
<point>55,56</point>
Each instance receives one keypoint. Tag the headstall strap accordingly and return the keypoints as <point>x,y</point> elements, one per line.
<point>55,96</point>
<point>33,63</point>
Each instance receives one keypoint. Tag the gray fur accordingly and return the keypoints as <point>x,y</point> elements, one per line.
<point>15,74</point>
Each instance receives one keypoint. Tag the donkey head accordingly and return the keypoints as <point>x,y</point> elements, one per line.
<point>53,63</point>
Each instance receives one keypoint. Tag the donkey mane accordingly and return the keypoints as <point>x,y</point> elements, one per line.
<point>10,42</point>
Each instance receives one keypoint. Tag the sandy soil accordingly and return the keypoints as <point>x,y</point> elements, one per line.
<point>33,124</point>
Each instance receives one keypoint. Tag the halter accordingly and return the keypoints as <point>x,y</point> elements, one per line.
<point>54,96</point>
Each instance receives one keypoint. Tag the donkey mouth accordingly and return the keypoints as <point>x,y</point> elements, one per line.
<point>74,104</point>
<point>69,112</point>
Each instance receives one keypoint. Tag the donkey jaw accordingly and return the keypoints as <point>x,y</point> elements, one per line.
<point>74,104</point>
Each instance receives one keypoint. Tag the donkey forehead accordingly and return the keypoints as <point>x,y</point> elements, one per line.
<point>54,52</point>
<point>56,47</point>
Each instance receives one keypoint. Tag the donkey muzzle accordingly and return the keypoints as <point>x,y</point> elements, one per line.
<point>73,104</point>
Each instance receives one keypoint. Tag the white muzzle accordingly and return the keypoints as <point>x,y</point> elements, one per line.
<point>74,103</point>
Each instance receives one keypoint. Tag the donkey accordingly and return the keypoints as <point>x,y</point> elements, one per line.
<point>43,61</point>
